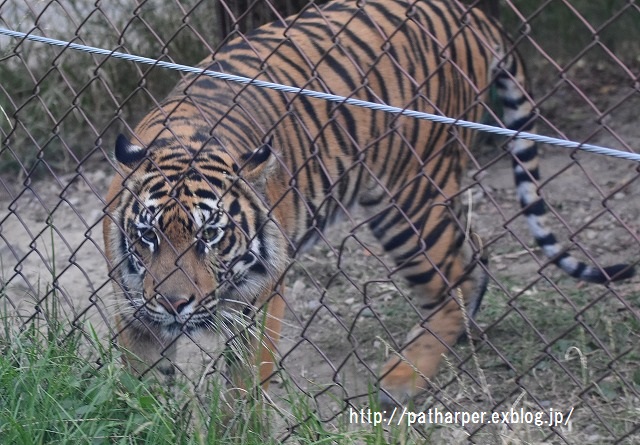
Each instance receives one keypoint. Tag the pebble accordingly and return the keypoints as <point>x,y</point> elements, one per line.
<point>349,301</point>
<point>619,195</point>
<point>367,313</point>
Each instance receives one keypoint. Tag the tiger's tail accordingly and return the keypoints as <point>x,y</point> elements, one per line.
<point>518,114</point>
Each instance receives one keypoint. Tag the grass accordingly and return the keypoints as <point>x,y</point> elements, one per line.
<point>53,396</point>
<point>587,362</point>
<point>50,393</point>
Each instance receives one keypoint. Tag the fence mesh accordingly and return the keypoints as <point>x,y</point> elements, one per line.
<point>541,340</point>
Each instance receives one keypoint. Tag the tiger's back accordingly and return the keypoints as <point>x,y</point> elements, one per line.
<point>323,145</point>
<point>255,175</point>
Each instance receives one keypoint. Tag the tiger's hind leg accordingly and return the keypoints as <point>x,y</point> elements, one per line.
<point>440,262</point>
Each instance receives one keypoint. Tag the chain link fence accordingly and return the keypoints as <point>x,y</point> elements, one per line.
<point>541,341</point>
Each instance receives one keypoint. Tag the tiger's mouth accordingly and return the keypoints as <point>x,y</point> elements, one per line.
<point>205,319</point>
<point>219,311</point>
<point>200,318</point>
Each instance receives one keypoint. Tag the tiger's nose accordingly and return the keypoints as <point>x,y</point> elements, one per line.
<point>174,305</point>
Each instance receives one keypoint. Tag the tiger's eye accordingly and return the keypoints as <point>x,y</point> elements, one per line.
<point>209,234</point>
<point>149,236</point>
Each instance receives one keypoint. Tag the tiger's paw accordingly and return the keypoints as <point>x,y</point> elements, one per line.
<point>399,384</point>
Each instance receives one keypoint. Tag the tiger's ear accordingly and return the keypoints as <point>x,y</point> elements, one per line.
<point>258,165</point>
<point>128,154</point>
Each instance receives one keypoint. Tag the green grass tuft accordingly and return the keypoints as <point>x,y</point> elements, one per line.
<point>50,393</point>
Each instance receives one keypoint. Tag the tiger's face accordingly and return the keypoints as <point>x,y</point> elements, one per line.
<point>194,238</point>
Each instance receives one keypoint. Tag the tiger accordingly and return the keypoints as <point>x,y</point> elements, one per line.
<point>222,185</point>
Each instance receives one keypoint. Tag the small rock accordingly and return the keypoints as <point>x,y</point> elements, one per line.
<point>349,301</point>
<point>619,195</point>
<point>367,313</point>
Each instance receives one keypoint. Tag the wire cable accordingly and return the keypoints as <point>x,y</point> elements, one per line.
<point>597,149</point>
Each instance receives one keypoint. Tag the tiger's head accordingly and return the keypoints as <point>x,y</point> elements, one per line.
<point>190,237</point>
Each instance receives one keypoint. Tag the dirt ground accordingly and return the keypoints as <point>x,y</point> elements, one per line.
<point>542,341</point>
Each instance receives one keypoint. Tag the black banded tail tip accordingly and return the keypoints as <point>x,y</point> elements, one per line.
<point>617,272</point>
<point>620,272</point>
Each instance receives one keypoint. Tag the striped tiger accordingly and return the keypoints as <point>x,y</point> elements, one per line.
<point>222,184</point>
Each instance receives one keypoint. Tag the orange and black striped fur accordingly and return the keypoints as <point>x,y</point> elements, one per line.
<point>223,183</point>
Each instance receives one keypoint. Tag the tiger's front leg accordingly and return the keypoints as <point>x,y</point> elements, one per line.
<point>267,343</point>
<point>258,358</point>
<point>144,349</point>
